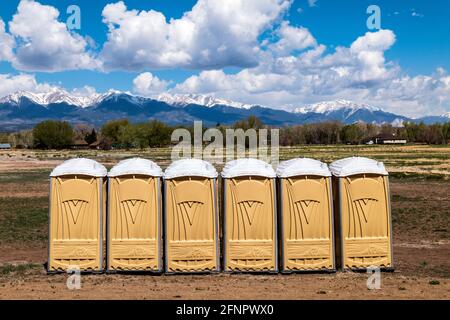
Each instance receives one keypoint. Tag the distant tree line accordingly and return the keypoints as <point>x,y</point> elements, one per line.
<point>121,134</point>
<point>357,133</point>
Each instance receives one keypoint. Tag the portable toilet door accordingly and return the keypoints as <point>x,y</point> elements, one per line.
<point>191,217</point>
<point>364,223</point>
<point>250,220</point>
<point>76,216</point>
<point>306,216</point>
<point>134,236</point>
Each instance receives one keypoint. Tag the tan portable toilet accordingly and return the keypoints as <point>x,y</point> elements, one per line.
<point>306,216</point>
<point>76,216</point>
<point>191,217</point>
<point>134,235</point>
<point>250,220</point>
<point>364,225</point>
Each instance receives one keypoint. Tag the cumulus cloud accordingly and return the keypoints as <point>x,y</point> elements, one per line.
<point>85,91</point>
<point>360,65</point>
<point>418,95</point>
<point>369,51</point>
<point>358,72</point>
<point>280,65</point>
<point>147,84</point>
<point>22,82</point>
<point>11,84</point>
<point>7,43</point>
<point>292,39</point>
<point>214,34</point>
<point>45,43</point>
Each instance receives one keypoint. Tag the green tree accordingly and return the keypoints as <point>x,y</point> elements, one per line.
<point>52,134</point>
<point>127,136</point>
<point>353,133</point>
<point>152,134</point>
<point>111,130</point>
<point>446,131</point>
<point>251,122</point>
<point>91,137</point>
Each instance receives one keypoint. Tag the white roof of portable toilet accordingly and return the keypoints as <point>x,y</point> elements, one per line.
<point>190,167</point>
<point>301,167</point>
<point>357,165</point>
<point>80,166</point>
<point>136,166</point>
<point>247,167</point>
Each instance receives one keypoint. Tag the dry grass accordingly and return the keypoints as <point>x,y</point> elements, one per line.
<point>421,224</point>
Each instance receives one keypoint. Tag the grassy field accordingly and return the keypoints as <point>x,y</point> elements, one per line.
<point>420,187</point>
<point>408,160</point>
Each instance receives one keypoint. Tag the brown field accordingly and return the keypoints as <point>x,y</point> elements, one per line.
<point>420,187</point>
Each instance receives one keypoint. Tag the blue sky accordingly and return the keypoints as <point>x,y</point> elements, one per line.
<point>402,68</point>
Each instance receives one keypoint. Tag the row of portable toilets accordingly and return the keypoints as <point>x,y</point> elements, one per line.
<point>306,216</point>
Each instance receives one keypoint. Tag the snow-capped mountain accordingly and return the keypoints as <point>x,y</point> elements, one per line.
<point>327,107</point>
<point>53,96</point>
<point>349,112</point>
<point>183,100</point>
<point>24,109</point>
<point>56,95</point>
<point>115,95</point>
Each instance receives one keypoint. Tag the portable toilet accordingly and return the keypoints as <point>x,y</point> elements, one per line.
<point>364,225</point>
<point>191,217</point>
<point>76,216</point>
<point>306,216</point>
<point>134,234</point>
<point>250,220</point>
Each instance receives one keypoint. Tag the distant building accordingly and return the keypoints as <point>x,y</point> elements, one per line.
<point>80,144</point>
<point>5,146</point>
<point>386,139</point>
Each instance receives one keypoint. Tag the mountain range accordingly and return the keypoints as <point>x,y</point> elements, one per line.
<point>24,109</point>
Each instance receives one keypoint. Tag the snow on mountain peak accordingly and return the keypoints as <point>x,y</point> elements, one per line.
<point>199,99</point>
<point>54,95</point>
<point>327,107</point>
<point>57,95</point>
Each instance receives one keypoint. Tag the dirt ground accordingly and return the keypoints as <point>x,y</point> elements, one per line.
<point>421,215</point>
<point>410,280</point>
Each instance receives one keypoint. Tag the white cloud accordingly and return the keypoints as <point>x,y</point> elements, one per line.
<point>85,91</point>
<point>419,95</point>
<point>358,72</point>
<point>7,43</point>
<point>374,41</point>
<point>45,43</point>
<point>214,34</point>
<point>361,65</point>
<point>22,82</point>
<point>146,84</point>
<point>281,65</point>
<point>291,39</point>
<point>369,50</point>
